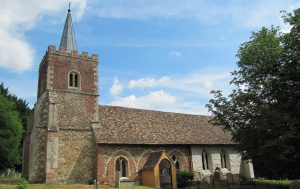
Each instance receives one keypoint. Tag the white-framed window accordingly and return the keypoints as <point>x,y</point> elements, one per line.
<point>223,159</point>
<point>205,162</point>
<point>122,166</point>
<point>74,79</point>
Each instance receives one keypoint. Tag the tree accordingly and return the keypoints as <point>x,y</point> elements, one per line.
<point>21,107</point>
<point>262,113</point>
<point>10,134</point>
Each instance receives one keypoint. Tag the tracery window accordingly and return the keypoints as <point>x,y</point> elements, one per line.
<point>74,79</point>
<point>176,162</point>
<point>205,164</point>
<point>122,166</point>
<point>223,159</point>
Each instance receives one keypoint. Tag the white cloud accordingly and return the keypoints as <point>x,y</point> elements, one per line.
<point>147,82</point>
<point>175,54</point>
<point>15,53</point>
<point>197,86</point>
<point>161,101</point>
<point>116,89</point>
<point>265,13</point>
<point>247,14</point>
<point>285,28</point>
<point>19,16</point>
<point>197,83</point>
<point>154,100</point>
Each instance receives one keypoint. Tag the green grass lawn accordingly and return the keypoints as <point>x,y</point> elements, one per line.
<point>265,181</point>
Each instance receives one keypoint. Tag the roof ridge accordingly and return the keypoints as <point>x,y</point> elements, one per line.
<point>149,110</point>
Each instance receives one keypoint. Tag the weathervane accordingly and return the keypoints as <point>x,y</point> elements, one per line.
<point>69,10</point>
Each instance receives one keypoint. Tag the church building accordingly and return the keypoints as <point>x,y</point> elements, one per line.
<point>72,139</point>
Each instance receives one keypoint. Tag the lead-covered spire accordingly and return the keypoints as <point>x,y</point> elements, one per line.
<point>68,38</point>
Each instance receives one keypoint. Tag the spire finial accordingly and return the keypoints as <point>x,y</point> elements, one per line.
<point>69,10</point>
<point>68,38</point>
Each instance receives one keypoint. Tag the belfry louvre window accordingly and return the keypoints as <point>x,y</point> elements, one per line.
<point>205,164</point>
<point>122,166</point>
<point>223,159</point>
<point>74,79</point>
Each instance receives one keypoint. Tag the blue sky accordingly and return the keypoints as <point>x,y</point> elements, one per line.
<point>154,54</point>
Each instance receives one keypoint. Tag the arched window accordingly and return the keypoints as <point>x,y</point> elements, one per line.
<point>176,162</point>
<point>122,166</point>
<point>74,80</point>
<point>205,164</point>
<point>223,159</point>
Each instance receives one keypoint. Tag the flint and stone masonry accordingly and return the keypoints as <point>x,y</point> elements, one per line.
<point>72,139</point>
<point>60,141</point>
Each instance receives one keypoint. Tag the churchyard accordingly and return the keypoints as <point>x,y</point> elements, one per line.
<point>258,184</point>
<point>65,186</point>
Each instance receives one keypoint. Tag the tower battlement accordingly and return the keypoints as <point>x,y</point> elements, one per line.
<point>73,53</point>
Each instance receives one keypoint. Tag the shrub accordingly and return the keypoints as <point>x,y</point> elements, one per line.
<point>23,184</point>
<point>184,178</point>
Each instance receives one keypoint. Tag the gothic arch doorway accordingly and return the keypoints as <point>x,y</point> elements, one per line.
<point>159,171</point>
<point>165,174</point>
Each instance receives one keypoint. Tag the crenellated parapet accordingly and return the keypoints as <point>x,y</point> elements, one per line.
<point>74,54</point>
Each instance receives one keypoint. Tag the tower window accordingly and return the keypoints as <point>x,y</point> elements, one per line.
<point>223,159</point>
<point>122,166</point>
<point>205,164</point>
<point>74,79</point>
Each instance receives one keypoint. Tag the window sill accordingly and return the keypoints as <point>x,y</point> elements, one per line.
<point>124,179</point>
<point>74,88</point>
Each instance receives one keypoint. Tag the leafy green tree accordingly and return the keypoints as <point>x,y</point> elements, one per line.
<point>263,112</point>
<point>21,107</point>
<point>10,134</point>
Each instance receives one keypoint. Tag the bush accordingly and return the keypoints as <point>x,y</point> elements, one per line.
<point>184,178</point>
<point>23,184</point>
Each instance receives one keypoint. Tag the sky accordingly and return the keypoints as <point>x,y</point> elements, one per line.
<point>164,55</point>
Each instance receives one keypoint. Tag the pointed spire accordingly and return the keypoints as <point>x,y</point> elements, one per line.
<point>68,38</point>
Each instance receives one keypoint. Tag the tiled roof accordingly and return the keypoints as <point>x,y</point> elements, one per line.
<point>152,160</point>
<point>119,125</point>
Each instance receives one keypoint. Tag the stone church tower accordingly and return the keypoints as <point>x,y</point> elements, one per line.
<point>59,145</point>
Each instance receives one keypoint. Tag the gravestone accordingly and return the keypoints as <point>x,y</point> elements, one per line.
<point>229,178</point>
<point>117,179</point>
<point>217,176</point>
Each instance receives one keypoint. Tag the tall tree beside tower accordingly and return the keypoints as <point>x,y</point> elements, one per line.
<point>13,120</point>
